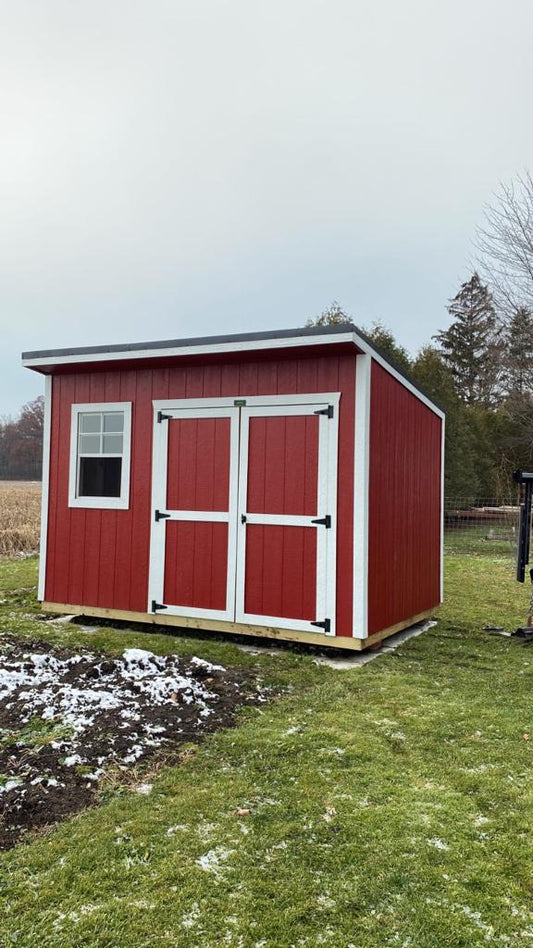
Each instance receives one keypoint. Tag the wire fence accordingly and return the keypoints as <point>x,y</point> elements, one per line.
<point>486,527</point>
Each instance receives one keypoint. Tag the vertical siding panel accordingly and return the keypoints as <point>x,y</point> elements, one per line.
<point>141,504</point>
<point>62,551</point>
<point>404,510</point>
<point>77,516</point>
<point>93,519</point>
<point>267,377</point>
<point>109,518</point>
<point>121,590</point>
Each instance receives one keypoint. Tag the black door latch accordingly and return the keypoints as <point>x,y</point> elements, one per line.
<point>161,516</point>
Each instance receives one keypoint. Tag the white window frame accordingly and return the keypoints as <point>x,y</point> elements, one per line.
<point>100,503</point>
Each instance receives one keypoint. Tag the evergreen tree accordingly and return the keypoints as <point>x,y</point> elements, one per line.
<point>471,346</point>
<point>384,340</point>
<point>518,353</point>
<point>461,480</point>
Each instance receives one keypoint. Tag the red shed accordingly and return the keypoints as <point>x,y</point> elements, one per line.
<point>283,484</point>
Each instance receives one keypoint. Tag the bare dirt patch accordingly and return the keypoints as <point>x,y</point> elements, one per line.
<point>67,718</point>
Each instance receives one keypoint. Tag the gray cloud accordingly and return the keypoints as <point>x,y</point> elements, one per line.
<point>171,168</point>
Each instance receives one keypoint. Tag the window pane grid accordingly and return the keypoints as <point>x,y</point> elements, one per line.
<point>100,451</point>
<point>101,434</point>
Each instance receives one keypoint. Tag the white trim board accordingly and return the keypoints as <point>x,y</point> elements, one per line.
<point>47,432</point>
<point>240,346</point>
<point>363,370</point>
<point>248,401</point>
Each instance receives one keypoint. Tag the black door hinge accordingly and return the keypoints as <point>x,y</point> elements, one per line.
<point>325,521</point>
<point>161,516</point>
<point>157,605</point>
<point>161,417</point>
<point>326,625</point>
<point>325,411</point>
<point>243,518</point>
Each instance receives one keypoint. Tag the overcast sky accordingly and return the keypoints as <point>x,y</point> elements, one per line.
<point>172,168</point>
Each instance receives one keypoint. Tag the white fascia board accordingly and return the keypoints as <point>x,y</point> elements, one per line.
<point>289,342</point>
<point>254,345</point>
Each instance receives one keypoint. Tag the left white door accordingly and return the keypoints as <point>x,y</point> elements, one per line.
<point>194,512</point>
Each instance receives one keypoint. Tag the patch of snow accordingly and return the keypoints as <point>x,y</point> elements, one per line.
<point>437,843</point>
<point>144,788</point>
<point>213,860</point>
<point>73,759</point>
<point>10,784</point>
<point>207,665</point>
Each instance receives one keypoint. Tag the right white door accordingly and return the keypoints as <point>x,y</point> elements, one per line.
<point>286,543</point>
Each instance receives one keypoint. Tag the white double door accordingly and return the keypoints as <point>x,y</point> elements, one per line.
<point>244,509</point>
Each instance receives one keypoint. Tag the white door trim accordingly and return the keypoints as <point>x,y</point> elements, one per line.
<point>159,500</point>
<point>326,504</point>
<point>363,367</point>
<point>248,401</point>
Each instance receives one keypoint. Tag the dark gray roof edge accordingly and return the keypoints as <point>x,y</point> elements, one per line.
<point>195,341</point>
<point>300,331</point>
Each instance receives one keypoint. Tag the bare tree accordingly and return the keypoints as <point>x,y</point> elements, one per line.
<point>333,315</point>
<point>505,244</point>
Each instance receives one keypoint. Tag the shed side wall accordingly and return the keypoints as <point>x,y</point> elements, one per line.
<point>404,543</point>
<point>101,557</point>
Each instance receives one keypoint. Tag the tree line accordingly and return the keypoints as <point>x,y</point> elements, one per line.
<point>480,368</point>
<point>480,371</point>
<point>21,443</point>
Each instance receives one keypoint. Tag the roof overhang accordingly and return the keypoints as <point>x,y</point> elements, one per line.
<point>88,358</point>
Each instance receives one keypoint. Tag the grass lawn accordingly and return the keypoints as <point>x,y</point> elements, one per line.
<point>390,805</point>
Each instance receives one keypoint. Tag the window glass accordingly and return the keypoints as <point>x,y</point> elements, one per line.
<point>112,444</point>
<point>89,444</point>
<point>100,477</point>
<point>114,421</point>
<point>90,421</point>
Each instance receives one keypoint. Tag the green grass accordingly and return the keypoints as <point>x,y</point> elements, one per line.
<point>390,805</point>
<point>482,539</point>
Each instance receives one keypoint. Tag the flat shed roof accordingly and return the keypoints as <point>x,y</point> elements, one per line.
<point>44,360</point>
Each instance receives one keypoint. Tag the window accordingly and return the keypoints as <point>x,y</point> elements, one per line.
<point>100,455</point>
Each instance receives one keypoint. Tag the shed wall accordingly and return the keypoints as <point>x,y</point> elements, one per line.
<point>404,554</point>
<point>101,557</point>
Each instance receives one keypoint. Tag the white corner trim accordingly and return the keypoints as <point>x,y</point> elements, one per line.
<point>100,503</point>
<point>363,366</point>
<point>45,486</point>
<point>442,463</point>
